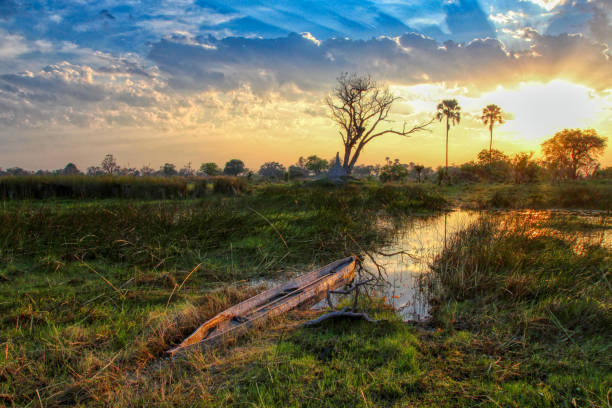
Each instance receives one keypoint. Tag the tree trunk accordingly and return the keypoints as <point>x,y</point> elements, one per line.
<point>491,145</point>
<point>347,154</point>
<point>349,170</point>
<point>446,167</point>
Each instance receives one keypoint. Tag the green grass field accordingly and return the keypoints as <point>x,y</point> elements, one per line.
<point>93,292</point>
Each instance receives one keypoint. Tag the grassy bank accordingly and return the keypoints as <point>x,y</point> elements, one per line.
<point>97,187</point>
<point>592,194</point>
<point>525,315</point>
<point>93,292</point>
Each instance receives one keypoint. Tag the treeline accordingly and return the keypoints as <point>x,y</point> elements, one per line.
<point>111,186</point>
<point>571,154</point>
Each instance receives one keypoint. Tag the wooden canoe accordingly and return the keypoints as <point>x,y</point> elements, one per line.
<point>304,290</point>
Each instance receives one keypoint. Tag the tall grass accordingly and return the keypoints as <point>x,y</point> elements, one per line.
<point>578,195</point>
<point>91,293</point>
<point>177,233</point>
<point>90,187</point>
<point>535,304</point>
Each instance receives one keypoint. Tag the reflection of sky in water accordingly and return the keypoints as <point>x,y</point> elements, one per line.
<point>422,238</point>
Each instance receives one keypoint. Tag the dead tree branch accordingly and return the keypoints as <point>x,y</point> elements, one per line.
<point>340,313</point>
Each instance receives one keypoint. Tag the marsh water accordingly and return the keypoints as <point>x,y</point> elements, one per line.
<point>407,257</point>
<point>419,238</point>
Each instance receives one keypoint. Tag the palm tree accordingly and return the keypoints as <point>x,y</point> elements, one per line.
<point>490,115</point>
<point>449,109</point>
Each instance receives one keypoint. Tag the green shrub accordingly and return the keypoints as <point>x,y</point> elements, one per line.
<point>229,185</point>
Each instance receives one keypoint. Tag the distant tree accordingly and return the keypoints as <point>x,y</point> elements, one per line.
<point>16,171</point>
<point>272,170</point>
<point>168,169</point>
<point>524,169</point>
<point>393,171</point>
<point>109,164</point>
<point>316,164</point>
<point>297,172</point>
<point>359,105</point>
<point>186,171</point>
<point>605,173</point>
<point>418,170</point>
<point>147,170</point>
<point>210,169</point>
<point>490,115</point>
<point>573,152</point>
<point>71,168</point>
<point>484,156</point>
<point>494,165</point>
<point>450,110</point>
<point>128,171</point>
<point>234,167</point>
<point>364,171</point>
<point>95,171</point>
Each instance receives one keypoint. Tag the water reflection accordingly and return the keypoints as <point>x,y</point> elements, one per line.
<point>421,239</point>
<point>424,237</point>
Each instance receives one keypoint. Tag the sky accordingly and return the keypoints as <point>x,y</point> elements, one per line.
<point>196,81</point>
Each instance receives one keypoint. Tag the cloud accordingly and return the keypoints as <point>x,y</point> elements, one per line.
<point>12,45</point>
<point>592,18</point>
<point>266,64</point>
<point>206,83</point>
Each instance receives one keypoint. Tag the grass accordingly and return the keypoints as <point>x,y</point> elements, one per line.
<point>525,317</point>
<point>90,300</point>
<point>591,194</point>
<point>337,364</point>
<point>92,292</point>
<point>90,187</point>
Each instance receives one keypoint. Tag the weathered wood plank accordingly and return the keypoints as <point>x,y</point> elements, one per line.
<point>305,289</point>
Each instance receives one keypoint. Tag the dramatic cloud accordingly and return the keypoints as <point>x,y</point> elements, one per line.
<point>411,58</point>
<point>240,74</point>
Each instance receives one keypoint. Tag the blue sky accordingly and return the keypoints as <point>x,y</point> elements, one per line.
<point>196,79</point>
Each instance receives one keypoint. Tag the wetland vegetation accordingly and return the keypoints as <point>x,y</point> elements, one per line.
<point>92,292</point>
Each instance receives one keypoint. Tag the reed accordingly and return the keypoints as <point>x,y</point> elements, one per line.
<point>96,187</point>
<point>526,311</point>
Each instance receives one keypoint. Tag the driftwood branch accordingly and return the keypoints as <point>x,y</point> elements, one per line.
<point>340,313</point>
<point>352,288</point>
<point>382,273</point>
<point>347,292</point>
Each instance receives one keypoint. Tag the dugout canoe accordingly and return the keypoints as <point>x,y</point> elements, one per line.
<point>304,290</point>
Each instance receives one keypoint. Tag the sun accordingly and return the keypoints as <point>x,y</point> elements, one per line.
<point>537,110</point>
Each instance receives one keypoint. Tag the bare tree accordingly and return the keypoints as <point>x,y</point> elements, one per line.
<point>359,105</point>
<point>109,164</point>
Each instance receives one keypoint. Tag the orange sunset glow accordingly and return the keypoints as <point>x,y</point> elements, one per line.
<point>188,98</point>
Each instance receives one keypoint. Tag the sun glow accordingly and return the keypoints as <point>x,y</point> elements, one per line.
<point>533,112</point>
<point>538,110</point>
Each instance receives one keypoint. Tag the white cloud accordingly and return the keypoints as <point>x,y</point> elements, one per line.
<point>12,45</point>
<point>547,4</point>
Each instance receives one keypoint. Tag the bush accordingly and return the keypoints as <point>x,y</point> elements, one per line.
<point>229,185</point>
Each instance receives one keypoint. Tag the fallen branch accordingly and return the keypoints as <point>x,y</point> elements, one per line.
<point>352,288</point>
<point>348,291</point>
<point>339,313</point>
<point>382,273</point>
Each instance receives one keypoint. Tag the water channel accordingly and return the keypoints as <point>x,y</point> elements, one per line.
<point>423,237</point>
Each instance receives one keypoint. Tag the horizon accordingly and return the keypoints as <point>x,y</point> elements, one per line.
<point>207,82</point>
